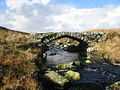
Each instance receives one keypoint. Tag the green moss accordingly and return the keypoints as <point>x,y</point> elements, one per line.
<point>56,78</point>
<point>64,66</point>
<point>72,75</point>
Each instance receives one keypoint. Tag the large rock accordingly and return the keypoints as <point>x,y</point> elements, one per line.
<point>56,78</point>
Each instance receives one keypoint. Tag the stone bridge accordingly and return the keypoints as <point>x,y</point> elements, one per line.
<point>84,36</point>
<point>40,39</point>
<point>43,39</point>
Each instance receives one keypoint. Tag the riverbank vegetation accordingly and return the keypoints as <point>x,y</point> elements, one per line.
<point>109,49</point>
<point>16,65</point>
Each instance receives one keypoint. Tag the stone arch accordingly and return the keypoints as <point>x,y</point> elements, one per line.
<point>48,39</point>
<point>81,48</point>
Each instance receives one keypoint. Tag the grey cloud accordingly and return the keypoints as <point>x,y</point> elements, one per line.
<point>36,17</point>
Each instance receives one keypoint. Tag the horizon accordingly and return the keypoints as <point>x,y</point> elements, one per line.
<point>59,15</point>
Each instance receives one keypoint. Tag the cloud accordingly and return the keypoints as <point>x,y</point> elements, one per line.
<point>15,4</point>
<point>42,16</point>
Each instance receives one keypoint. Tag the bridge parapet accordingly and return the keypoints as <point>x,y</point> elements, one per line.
<point>85,36</point>
<point>42,39</point>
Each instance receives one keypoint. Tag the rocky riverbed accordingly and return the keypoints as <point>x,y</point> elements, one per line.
<point>102,74</point>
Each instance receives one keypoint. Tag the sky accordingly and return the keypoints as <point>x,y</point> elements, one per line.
<point>59,15</point>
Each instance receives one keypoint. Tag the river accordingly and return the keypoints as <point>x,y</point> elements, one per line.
<point>58,56</point>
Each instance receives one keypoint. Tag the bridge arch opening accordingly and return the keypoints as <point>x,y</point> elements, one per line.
<point>83,45</point>
<point>80,49</point>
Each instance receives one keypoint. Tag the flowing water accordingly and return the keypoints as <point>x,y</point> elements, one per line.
<point>103,74</point>
<point>57,56</point>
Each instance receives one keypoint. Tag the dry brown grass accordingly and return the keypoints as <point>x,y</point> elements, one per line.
<point>110,49</point>
<point>17,64</point>
<point>106,30</point>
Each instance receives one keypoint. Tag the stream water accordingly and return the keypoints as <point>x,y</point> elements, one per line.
<point>103,74</point>
<point>58,56</point>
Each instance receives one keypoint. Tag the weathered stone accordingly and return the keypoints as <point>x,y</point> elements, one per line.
<point>72,75</point>
<point>115,86</point>
<point>88,62</point>
<point>64,66</point>
<point>56,78</point>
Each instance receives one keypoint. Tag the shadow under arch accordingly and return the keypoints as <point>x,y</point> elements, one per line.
<point>81,48</point>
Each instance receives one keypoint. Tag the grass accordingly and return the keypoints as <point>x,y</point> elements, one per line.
<point>17,65</point>
<point>110,48</point>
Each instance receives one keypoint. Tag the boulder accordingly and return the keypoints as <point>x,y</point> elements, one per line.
<point>56,78</point>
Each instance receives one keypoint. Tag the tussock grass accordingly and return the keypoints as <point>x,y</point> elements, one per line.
<point>17,65</point>
<point>110,48</point>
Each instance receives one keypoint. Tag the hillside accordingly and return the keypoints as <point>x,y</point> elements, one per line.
<point>110,48</point>
<point>16,65</point>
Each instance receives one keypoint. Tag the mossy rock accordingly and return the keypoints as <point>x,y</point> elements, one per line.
<point>56,78</point>
<point>115,86</point>
<point>88,61</point>
<point>72,75</point>
<point>64,66</point>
